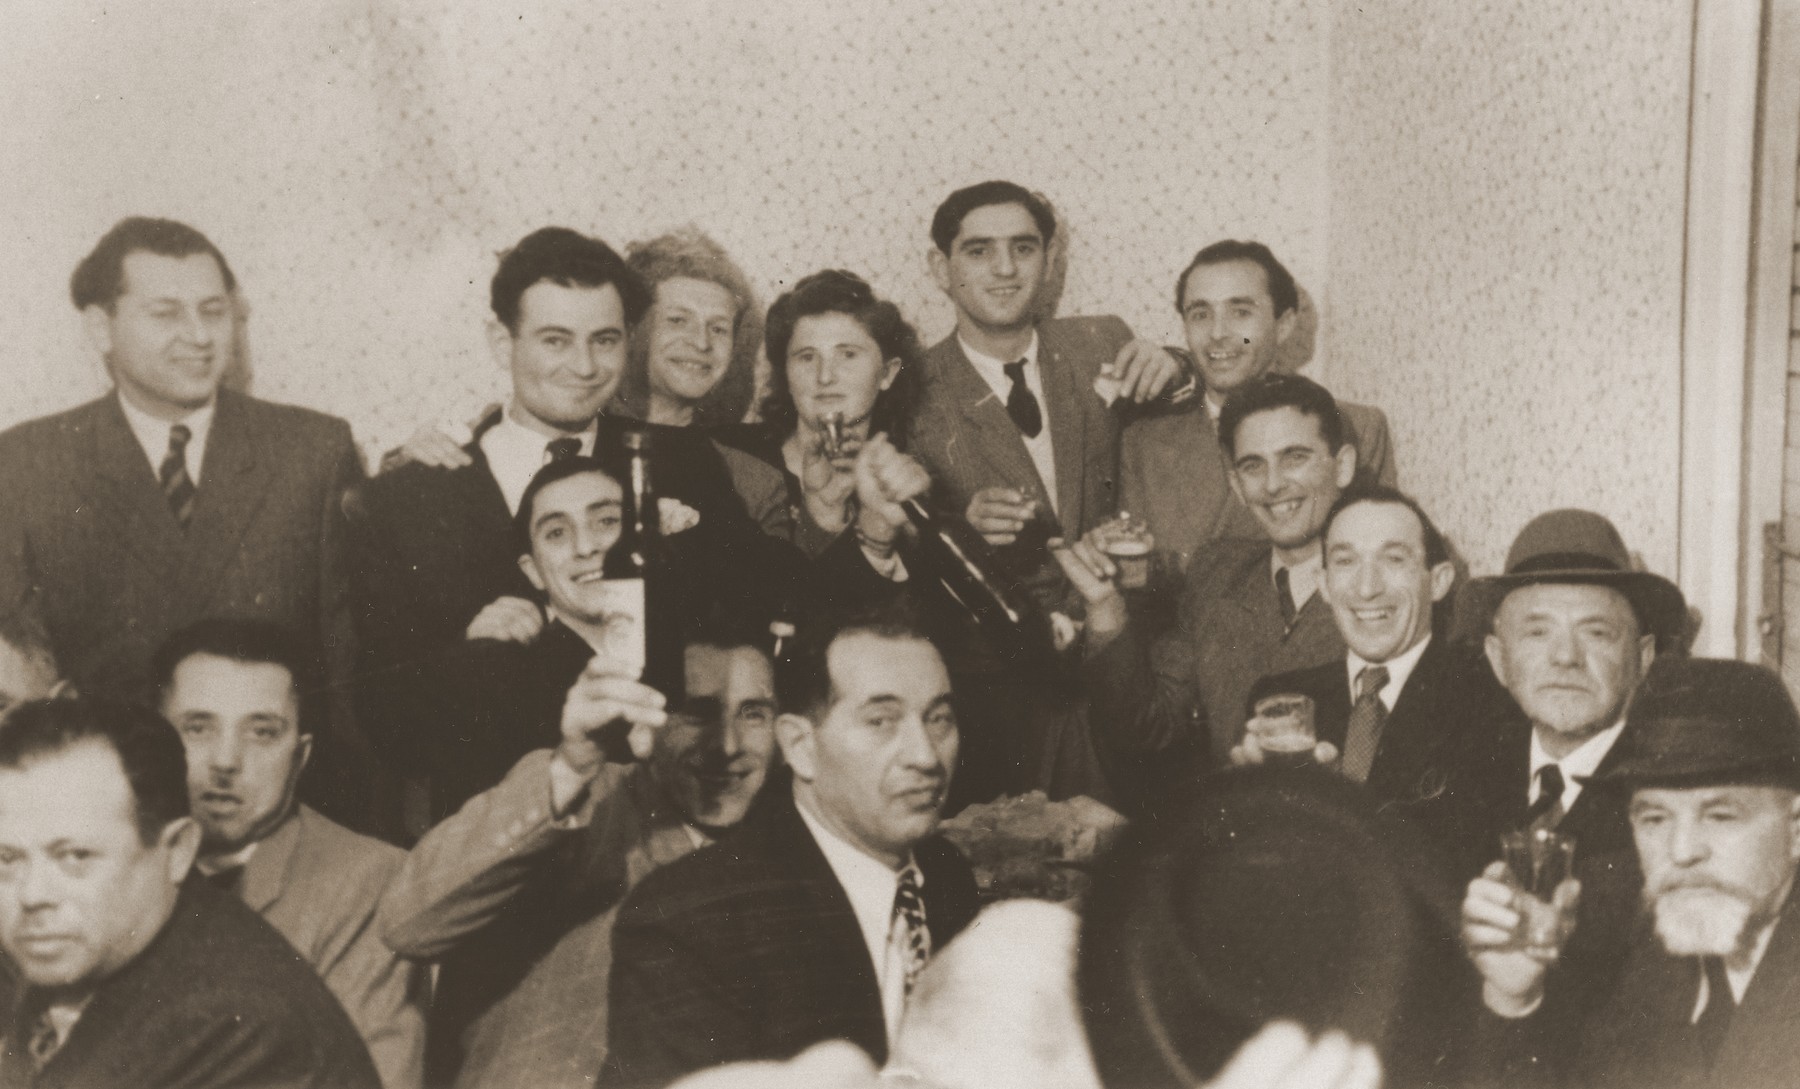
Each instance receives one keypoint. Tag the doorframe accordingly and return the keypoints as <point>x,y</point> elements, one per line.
<point>1714,551</point>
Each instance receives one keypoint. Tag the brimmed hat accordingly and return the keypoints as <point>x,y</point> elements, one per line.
<point>1581,546</point>
<point>1283,894</point>
<point>1706,722</point>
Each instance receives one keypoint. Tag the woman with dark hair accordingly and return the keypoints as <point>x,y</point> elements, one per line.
<point>842,367</point>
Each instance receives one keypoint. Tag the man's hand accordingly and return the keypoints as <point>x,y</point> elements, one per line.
<point>1281,1057</point>
<point>606,693</point>
<point>1143,370</point>
<point>885,478</point>
<point>1249,751</point>
<point>1095,577</point>
<point>438,445</point>
<point>1000,514</point>
<point>1492,915</point>
<point>507,619</point>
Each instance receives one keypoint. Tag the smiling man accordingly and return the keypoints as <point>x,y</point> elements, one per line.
<point>138,975</point>
<point>1239,305</point>
<point>1709,773</point>
<point>172,498</point>
<point>1249,607</point>
<point>233,690</point>
<point>813,920</point>
<point>1403,704</point>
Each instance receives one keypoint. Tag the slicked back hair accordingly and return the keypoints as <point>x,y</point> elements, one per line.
<point>559,255</point>
<point>947,222</point>
<point>1272,391</point>
<point>99,279</point>
<point>1282,290</point>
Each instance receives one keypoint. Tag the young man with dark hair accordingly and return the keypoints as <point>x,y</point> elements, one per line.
<point>1239,305</point>
<point>1249,607</point>
<point>138,975</point>
<point>812,921</point>
<point>172,498</point>
<point>236,691</point>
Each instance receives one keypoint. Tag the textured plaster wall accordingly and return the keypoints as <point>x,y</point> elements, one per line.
<point>360,163</point>
<point>1506,254</point>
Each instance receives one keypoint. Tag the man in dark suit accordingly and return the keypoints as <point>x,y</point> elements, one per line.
<point>1403,704</point>
<point>812,920</point>
<point>436,546</point>
<point>1248,608</point>
<point>233,690</point>
<point>170,499</point>
<point>1709,770</point>
<point>137,975</point>
<point>1573,630</point>
<point>1239,305</point>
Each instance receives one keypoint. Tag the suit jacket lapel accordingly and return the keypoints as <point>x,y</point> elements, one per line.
<point>1761,1043</point>
<point>1068,430</point>
<point>990,431</point>
<point>234,481</point>
<point>266,874</point>
<point>126,496</point>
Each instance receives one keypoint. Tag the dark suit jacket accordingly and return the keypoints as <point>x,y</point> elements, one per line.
<point>217,999</point>
<point>1643,1038</point>
<point>88,538</point>
<point>1448,705</point>
<point>1191,685</point>
<point>1174,474</point>
<point>749,949</point>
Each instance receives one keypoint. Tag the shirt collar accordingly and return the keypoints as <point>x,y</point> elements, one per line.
<point>867,881</point>
<point>1399,669</point>
<point>1583,762</point>
<point>153,433</point>
<point>994,370</point>
<point>515,453</point>
<point>212,864</point>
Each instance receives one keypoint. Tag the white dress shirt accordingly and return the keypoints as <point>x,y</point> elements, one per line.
<point>871,885</point>
<point>993,372</point>
<point>1398,668</point>
<point>153,435</point>
<point>515,453</point>
<point>1583,761</point>
<point>1303,577</point>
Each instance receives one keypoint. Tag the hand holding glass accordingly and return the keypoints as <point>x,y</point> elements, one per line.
<point>1537,861</point>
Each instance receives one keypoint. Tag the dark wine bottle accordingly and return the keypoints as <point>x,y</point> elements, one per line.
<point>964,563</point>
<point>640,586</point>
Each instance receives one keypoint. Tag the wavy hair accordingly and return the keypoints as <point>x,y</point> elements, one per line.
<point>835,291</point>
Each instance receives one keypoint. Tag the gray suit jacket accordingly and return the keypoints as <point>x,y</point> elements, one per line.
<point>319,883</point>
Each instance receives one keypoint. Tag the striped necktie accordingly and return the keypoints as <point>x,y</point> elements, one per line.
<point>177,486</point>
<point>909,912</point>
<point>1547,812</point>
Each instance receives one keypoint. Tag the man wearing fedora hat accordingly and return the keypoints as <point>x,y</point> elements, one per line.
<point>1710,772</point>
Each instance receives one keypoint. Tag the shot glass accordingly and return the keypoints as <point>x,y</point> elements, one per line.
<point>1537,861</point>
<point>1128,542</point>
<point>1283,727</point>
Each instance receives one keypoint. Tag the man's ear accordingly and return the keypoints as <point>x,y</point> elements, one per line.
<point>939,263</point>
<point>794,733</point>
<point>500,343</point>
<point>1443,576</point>
<point>1237,488</point>
<point>1794,828</point>
<point>532,574</point>
<point>182,838</point>
<point>1346,465</point>
<point>1646,653</point>
<point>1496,656</point>
<point>1286,324</point>
<point>305,748</point>
<point>97,323</point>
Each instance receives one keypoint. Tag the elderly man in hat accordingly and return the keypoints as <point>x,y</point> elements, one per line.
<point>1709,771</point>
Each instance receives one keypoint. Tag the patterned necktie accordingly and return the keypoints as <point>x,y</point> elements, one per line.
<point>561,449</point>
<point>1715,1019</point>
<point>1021,403</point>
<point>1367,717</point>
<point>909,911</point>
<point>1547,812</point>
<point>1284,596</point>
<point>177,486</point>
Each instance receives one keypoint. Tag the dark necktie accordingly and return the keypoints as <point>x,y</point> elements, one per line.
<point>1284,596</point>
<point>1367,717</point>
<point>230,880</point>
<point>177,486</point>
<point>1715,1019</point>
<point>909,909</point>
<point>561,449</point>
<point>1547,812</point>
<point>1022,404</point>
<point>42,1044</point>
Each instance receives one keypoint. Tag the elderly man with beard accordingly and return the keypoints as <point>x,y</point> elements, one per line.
<point>1710,773</point>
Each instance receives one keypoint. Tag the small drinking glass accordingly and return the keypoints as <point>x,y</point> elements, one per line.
<point>1129,542</point>
<point>1283,728</point>
<point>1537,861</point>
<point>832,441</point>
